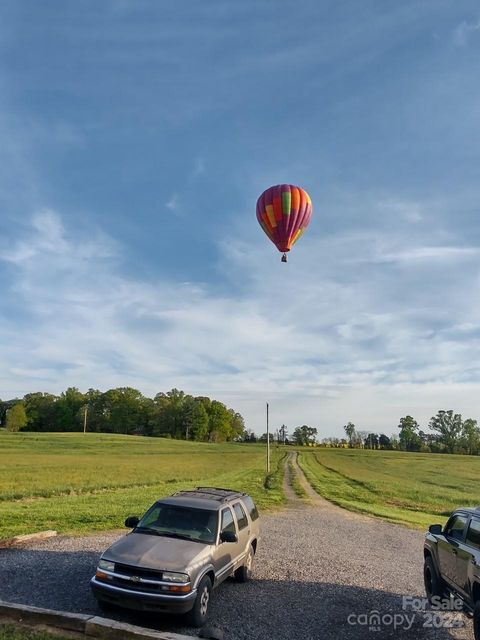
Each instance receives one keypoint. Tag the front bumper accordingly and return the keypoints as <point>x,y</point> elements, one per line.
<point>141,601</point>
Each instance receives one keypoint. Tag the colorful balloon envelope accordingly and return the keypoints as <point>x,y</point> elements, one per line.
<point>284,212</point>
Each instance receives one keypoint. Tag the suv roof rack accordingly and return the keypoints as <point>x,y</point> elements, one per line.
<point>211,493</point>
<point>226,491</point>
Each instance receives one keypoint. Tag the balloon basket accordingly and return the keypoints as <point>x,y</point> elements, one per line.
<point>284,257</point>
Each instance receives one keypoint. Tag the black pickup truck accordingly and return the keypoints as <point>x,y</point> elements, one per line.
<point>452,561</point>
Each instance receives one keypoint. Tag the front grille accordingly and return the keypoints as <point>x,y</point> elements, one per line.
<point>125,583</point>
<point>137,572</point>
<point>127,570</point>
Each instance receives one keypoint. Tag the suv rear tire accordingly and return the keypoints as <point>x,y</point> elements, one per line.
<point>198,615</point>
<point>244,573</point>
<point>433,584</point>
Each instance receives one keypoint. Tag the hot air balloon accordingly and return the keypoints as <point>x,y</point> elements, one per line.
<point>284,212</point>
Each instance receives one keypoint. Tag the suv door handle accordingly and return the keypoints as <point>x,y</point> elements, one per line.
<point>473,561</point>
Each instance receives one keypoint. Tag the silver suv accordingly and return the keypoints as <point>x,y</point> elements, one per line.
<point>183,547</point>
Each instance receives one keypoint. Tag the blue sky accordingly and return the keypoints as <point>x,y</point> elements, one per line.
<point>135,139</point>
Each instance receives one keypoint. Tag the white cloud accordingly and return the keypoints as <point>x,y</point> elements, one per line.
<point>172,203</point>
<point>464,32</point>
<point>429,253</point>
<point>306,335</point>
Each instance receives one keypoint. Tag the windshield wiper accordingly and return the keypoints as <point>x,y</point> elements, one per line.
<point>147,530</point>
<point>173,534</point>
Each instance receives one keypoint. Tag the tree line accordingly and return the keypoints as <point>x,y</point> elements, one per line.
<point>303,435</point>
<point>449,433</point>
<point>124,410</point>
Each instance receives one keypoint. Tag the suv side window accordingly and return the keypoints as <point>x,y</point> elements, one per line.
<point>456,527</point>
<point>242,519</point>
<point>249,503</point>
<point>227,521</point>
<point>473,533</point>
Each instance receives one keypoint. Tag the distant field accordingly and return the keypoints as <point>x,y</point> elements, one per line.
<point>410,488</point>
<point>77,483</point>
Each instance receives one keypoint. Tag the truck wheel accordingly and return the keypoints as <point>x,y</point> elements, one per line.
<point>433,584</point>
<point>244,573</point>
<point>198,615</point>
<point>476,620</point>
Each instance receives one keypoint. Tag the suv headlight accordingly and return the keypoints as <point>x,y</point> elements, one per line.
<point>171,576</point>
<point>106,565</point>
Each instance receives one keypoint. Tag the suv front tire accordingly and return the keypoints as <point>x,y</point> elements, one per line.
<point>198,615</point>
<point>433,584</point>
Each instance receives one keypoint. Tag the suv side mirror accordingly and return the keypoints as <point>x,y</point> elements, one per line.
<point>436,529</point>
<point>228,536</point>
<point>132,522</point>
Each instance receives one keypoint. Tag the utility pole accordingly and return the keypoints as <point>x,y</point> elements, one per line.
<point>268,445</point>
<point>85,419</point>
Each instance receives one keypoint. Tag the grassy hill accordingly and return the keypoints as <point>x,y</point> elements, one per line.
<point>77,483</point>
<point>416,489</point>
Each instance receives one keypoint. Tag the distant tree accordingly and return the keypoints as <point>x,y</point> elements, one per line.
<point>349,429</point>
<point>5,405</point>
<point>40,410</point>
<point>16,417</point>
<point>449,428</point>
<point>67,414</point>
<point>219,422</point>
<point>237,425</point>
<point>425,441</point>
<point>394,442</point>
<point>96,418</point>
<point>305,435</point>
<point>123,410</point>
<point>371,441</point>
<point>205,401</point>
<point>283,432</point>
<point>263,438</point>
<point>195,419</point>
<point>470,437</point>
<point>168,414</point>
<point>408,437</point>
<point>384,441</point>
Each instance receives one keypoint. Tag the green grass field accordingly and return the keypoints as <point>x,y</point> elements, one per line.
<point>77,483</point>
<point>14,632</point>
<point>414,489</point>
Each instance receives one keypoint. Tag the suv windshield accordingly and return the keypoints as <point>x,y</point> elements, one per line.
<point>198,525</point>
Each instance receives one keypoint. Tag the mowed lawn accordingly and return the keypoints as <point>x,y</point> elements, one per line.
<point>77,483</point>
<point>416,489</point>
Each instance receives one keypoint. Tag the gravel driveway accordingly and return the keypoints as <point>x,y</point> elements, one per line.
<point>319,572</point>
